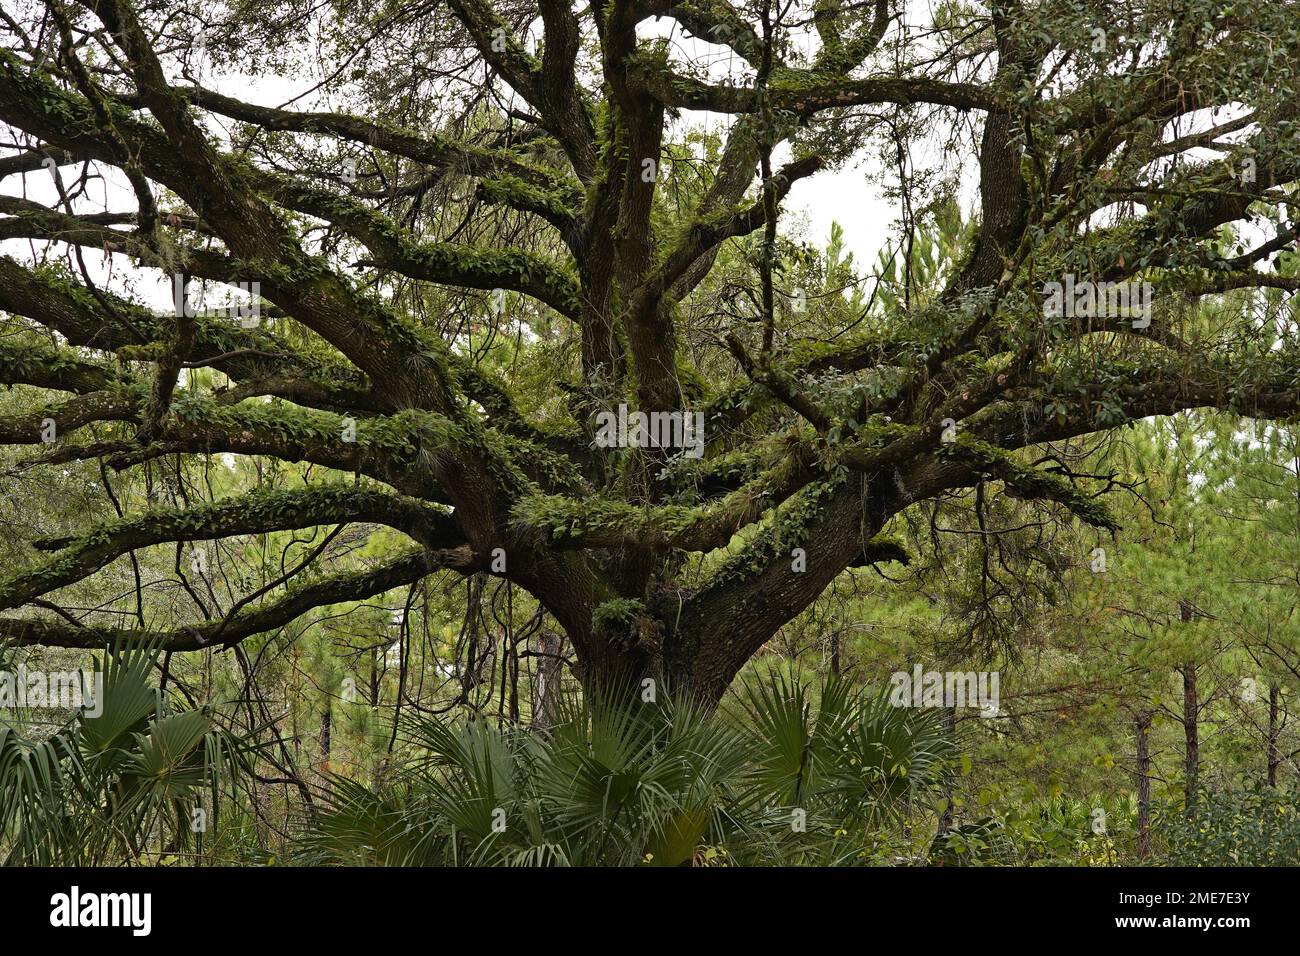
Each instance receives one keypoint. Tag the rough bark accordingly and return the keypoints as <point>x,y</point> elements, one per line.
<point>546,680</point>
<point>1142,731</point>
<point>1191,739</point>
<point>601,539</point>
<point>1274,755</point>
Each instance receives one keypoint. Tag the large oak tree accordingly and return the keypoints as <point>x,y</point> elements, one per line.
<point>478,163</point>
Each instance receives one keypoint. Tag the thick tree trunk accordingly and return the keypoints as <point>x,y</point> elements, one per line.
<point>698,641</point>
<point>713,638</point>
<point>694,641</point>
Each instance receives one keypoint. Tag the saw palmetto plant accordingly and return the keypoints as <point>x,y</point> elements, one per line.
<point>134,783</point>
<point>780,777</point>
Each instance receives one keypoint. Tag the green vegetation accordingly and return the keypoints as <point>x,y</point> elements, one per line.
<point>949,575</point>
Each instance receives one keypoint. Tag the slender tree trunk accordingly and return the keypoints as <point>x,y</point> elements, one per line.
<point>1191,738</point>
<point>326,719</point>
<point>1274,734</point>
<point>945,818</point>
<point>1142,726</point>
<point>374,678</point>
<point>326,727</point>
<point>546,685</point>
<point>514,681</point>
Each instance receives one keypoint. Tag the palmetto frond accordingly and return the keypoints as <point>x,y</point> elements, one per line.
<point>109,788</point>
<point>619,782</point>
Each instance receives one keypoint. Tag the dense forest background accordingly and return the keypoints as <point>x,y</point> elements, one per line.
<point>363,589</point>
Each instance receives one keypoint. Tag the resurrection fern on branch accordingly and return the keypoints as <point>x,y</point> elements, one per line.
<point>438,287</point>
